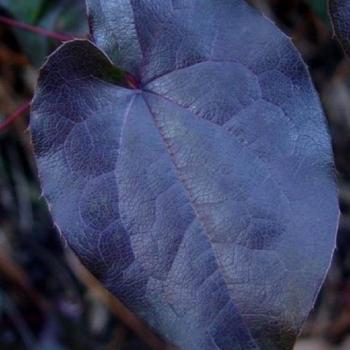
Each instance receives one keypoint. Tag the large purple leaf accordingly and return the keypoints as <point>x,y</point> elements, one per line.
<point>340,15</point>
<point>205,198</point>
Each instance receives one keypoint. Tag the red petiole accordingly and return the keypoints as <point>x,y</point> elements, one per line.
<point>24,108</point>
<point>38,30</point>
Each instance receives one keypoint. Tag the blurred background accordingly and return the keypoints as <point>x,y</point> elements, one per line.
<point>47,299</point>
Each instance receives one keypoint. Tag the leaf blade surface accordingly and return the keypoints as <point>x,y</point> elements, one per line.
<point>201,199</point>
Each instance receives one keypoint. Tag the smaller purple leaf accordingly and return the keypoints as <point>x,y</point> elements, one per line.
<point>340,16</point>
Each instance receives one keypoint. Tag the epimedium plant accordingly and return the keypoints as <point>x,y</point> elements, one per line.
<point>185,157</point>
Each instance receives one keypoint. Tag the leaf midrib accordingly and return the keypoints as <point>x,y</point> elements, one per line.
<point>195,211</point>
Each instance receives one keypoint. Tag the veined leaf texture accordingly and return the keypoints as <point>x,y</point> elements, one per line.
<point>204,198</point>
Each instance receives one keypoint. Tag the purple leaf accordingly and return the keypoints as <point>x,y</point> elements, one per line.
<point>205,199</point>
<point>340,15</point>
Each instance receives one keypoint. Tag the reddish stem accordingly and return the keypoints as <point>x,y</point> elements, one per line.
<point>34,29</point>
<point>24,108</point>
